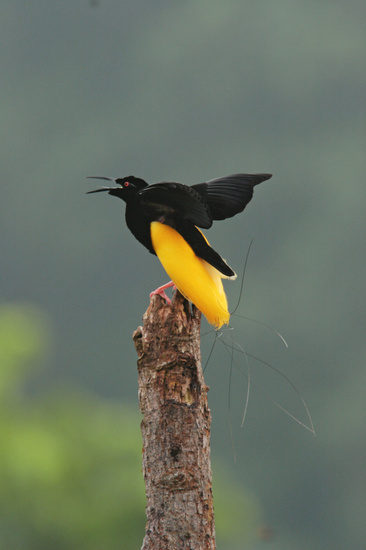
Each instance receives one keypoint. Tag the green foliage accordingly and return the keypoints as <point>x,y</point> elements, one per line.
<point>70,463</point>
<point>237,513</point>
<point>24,339</point>
<point>70,475</point>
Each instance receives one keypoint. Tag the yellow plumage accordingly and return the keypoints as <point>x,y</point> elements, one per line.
<point>197,280</point>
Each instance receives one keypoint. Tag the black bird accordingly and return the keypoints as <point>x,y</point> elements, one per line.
<point>165,217</point>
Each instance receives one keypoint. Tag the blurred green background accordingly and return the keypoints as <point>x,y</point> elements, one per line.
<point>183,91</point>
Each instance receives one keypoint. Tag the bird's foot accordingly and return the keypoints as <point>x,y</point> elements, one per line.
<point>161,291</point>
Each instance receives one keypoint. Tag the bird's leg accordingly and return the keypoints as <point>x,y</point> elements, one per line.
<point>161,289</point>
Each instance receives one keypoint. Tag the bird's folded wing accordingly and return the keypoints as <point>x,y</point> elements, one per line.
<point>201,247</point>
<point>178,200</point>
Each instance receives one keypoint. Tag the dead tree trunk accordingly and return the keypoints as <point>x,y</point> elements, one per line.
<point>175,428</point>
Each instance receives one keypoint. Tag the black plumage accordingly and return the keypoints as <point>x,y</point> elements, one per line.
<point>185,208</point>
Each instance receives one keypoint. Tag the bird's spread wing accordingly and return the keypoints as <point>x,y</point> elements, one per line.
<point>176,200</point>
<point>229,195</point>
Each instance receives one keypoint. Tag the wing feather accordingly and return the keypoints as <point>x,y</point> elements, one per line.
<point>176,200</point>
<point>229,195</point>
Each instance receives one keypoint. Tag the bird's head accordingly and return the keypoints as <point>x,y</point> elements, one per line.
<point>126,187</point>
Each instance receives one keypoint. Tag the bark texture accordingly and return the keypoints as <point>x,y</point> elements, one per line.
<point>175,428</point>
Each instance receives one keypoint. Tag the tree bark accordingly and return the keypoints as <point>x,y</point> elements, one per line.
<point>175,428</point>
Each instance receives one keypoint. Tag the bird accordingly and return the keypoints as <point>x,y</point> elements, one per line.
<point>167,218</point>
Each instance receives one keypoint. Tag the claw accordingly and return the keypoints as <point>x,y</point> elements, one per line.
<point>161,291</point>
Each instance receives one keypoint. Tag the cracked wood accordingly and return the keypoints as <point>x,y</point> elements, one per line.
<point>175,428</point>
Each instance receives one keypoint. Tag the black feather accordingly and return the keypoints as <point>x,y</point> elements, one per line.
<point>176,200</point>
<point>193,236</point>
<point>185,208</point>
<point>229,195</point>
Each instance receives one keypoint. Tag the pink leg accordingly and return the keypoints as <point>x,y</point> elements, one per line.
<point>160,291</point>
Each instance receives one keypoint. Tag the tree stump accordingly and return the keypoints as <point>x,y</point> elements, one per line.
<point>175,428</point>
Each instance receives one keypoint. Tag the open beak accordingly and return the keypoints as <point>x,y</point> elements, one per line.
<point>100,189</point>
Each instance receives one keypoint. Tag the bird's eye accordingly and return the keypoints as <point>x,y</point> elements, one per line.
<point>126,184</point>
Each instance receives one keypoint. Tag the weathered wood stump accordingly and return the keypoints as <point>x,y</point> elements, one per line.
<point>175,428</point>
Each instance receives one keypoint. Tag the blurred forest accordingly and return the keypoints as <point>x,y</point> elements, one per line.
<point>182,91</point>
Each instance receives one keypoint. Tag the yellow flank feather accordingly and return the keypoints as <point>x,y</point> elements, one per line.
<point>197,280</point>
